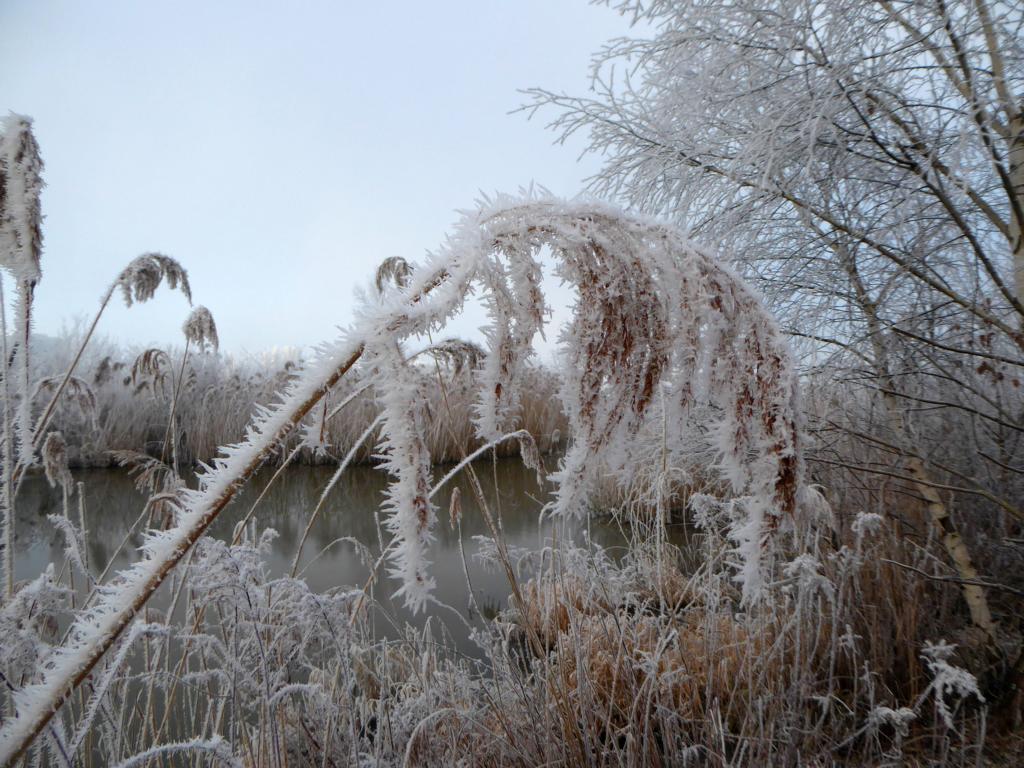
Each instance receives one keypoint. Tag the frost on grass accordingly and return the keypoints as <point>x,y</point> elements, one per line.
<point>215,749</point>
<point>200,330</point>
<point>29,616</point>
<point>411,514</point>
<point>21,182</point>
<point>21,245</point>
<point>140,279</point>
<point>948,681</point>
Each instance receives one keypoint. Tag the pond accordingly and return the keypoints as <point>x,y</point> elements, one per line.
<point>113,506</point>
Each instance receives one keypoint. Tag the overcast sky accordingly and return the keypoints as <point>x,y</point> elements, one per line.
<point>279,150</point>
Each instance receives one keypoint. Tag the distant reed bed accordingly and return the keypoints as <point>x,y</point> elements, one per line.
<point>121,401</point>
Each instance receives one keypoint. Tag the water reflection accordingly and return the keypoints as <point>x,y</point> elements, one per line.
<point>113,506</point>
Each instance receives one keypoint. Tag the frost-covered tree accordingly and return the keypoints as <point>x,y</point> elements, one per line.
<point>866,161</point>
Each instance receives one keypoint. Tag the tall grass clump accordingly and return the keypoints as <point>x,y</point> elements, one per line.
<point>792,634</point>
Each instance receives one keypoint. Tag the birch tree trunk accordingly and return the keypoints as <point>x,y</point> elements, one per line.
<point>924,484</point>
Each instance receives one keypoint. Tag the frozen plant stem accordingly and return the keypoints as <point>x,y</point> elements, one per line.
<point>21,243</point>
<point>330,485</point>
<point>47,414</point>
<point>8,455</point>
<point>172,432</point>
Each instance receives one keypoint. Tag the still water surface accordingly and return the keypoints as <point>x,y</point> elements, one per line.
<point>113,506</point>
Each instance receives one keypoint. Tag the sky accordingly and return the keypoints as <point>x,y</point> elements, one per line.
<point>279,151</point>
